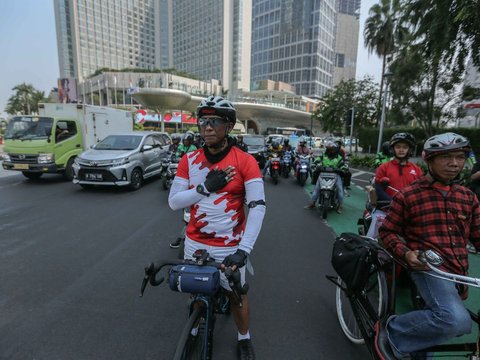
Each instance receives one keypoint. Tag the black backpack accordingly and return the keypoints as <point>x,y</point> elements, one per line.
<point>352,259</point>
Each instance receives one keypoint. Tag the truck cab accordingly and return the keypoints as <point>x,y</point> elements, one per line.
<point>50,141</point>
<point>41,144</point>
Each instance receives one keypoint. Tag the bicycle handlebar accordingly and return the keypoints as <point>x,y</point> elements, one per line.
<point>233,277</point>
<point>432,260</point>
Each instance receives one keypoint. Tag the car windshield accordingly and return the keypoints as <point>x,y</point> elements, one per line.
<point>254,140</point>
<point>29,127</point>
<point>119,142</point>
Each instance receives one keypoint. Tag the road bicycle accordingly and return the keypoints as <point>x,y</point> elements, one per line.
<point>358,311</point>
<point>199,277</point>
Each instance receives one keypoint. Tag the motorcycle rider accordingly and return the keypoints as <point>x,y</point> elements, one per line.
<point>393,176</point>
<point>302,149</point>
<point>215,182</point>
<point>274,148</point>
<point>384,155</point>
<point>197,140</point>
<point>240,144</point>
<point>175,144</point>
<point>434,212</point>
<point>346,175</point>
<point>187,144</point>
<point>332,159</point>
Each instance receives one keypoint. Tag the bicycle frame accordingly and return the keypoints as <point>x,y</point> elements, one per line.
<point>208,304</point>
<point>366,316</point>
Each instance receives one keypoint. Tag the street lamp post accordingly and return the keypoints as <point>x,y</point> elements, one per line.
<point>384,105</point>
<point>351,129</point>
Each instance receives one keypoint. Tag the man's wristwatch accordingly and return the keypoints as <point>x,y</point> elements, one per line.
<point>201,190</point>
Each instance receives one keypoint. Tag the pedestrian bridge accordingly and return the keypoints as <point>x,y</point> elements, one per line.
<point>256,117</point>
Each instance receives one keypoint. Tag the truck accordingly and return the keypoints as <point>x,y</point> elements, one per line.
<point>50,141</point>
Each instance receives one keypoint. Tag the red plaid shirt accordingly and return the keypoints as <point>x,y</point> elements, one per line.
<point>422,218</point>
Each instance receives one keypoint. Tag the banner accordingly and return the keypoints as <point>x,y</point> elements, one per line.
<point>67,90</point>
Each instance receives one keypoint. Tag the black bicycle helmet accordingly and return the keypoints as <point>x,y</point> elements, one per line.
<point>447,142</point>
<point>217,105</point>
<point>403,136</point>
<point>386,148</point>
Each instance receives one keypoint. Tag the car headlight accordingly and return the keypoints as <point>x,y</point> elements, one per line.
<point>118,162</point>
<point>5,157</point>
<point>77,160</point>
<point>46,158</point>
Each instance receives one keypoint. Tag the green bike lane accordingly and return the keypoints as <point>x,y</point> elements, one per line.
<point>353,207</point>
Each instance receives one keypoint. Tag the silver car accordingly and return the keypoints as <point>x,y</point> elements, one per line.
<point>124,159</point>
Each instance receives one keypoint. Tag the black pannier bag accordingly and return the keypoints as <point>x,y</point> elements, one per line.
<point>351,259</point>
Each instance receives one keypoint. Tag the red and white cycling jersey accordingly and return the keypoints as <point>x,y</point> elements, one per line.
<point>218,219</point>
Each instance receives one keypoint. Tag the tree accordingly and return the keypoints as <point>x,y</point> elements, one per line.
<point>335,105</point>
<point>384,33</point>
<point>25,100</point>
<point>431,62</point>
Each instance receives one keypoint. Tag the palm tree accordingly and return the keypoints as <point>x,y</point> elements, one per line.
<point>384,32</point>
<point>25,100</point>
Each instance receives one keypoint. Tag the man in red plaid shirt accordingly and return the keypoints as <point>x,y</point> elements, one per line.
<point>432,213</point>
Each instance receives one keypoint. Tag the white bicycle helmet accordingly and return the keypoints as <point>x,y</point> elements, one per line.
<point>217,105</point>
<point>439,144</point>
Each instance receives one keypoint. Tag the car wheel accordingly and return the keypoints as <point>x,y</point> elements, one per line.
<point>136,179</point>
<point>68,173</point>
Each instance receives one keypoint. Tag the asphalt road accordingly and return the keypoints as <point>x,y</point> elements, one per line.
<point>72,264</point>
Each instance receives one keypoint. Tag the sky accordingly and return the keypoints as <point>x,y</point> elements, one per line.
<point>28,47</point>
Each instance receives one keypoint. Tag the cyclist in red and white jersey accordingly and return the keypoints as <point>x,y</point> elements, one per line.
<point>215,182</point>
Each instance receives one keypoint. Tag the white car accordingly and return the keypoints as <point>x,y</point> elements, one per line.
<point>124,159</point>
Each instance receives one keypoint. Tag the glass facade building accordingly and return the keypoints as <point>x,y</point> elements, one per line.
<point>293,41</point>
<point>109,33</point>
<point>211,39</point>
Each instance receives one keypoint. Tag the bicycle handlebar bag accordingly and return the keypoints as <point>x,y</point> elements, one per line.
<point>194,279</point>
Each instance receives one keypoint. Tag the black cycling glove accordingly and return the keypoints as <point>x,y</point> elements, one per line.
<point>238,258</point>
<point>216,180</point>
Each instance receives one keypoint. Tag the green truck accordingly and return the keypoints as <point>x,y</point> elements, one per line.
<point>50,141</point>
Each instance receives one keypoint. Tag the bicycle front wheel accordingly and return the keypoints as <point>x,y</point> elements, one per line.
<point>357,314</point>
<point>195,342</point>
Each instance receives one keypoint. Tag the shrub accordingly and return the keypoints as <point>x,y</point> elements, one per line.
<point>367,161</point>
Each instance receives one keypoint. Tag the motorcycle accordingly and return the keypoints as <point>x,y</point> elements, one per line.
<point>286,163</point>
<point>275,167</point>
<point>303,169</point>
<point>327,199</point>
<point>169,170</point>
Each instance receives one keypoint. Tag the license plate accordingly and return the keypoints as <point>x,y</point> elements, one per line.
<point>94,177</point>
<point>20,166</point>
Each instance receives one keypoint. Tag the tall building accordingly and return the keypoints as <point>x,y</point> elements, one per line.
<point>293,41</point>
<point>109,33</point>
<point>346,40</point>
<point>211,39</point>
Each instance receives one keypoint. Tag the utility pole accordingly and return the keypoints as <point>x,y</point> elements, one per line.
<point>351,128</point>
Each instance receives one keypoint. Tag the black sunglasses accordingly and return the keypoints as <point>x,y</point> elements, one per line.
<point>214,122</point>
